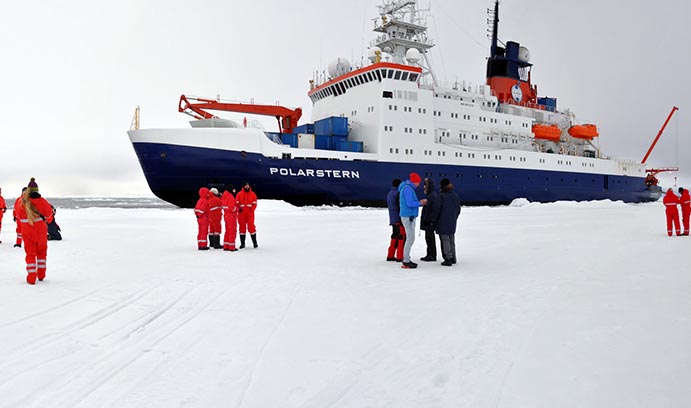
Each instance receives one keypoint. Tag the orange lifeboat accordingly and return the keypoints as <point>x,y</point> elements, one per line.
<point>547,132</point>
<point>587,131</point>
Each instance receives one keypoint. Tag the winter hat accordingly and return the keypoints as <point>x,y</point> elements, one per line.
<point>32,185</point>
<point>444,182</point>
<point>214,191</point>
<point>230,188</point>
<point>681,190</point>
<point>414,177</point>
<point>396,182</point>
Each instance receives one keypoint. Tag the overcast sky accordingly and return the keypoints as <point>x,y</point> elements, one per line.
<point>73,72</point>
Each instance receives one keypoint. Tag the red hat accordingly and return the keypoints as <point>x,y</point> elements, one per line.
<point>414,177</point>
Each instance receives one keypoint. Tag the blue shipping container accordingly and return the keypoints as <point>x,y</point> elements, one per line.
<point>334,125</point>
<point>350,147</point>
<point>290,139</point>
<point>306,128</point>
<point>322,142</point>
<point>335,140</point>
<point>550,103</point>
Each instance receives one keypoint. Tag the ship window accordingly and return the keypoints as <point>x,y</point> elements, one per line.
<point>343,89</point>
<point>413,77</point>
<point>404,77</point>
<point>360,80</point>
<point>387,94</point>
<point>378,73</point>
<point>390,74</point>
<point>370,77</point>
<point>397,150</point>
<point>397,75</point>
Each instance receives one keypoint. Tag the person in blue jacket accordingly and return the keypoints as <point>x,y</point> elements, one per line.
<point>395,252</point>
<point>409,206</point>
<point>449,211</point>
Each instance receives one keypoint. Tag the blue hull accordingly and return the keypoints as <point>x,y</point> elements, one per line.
<point>175,174</point>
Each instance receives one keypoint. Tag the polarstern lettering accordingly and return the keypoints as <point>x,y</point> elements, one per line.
<point>314,173</point>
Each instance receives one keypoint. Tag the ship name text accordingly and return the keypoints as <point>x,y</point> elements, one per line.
<point>315,173</point>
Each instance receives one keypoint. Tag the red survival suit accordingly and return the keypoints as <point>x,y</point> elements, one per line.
<point>215,220</point>
<point>3,208</point>
<point>247,203</point>
<point>18,221</point>
<point>35,233</point>
<point>685,201</point>
<point>670,201</point>
<point>230,216</point>
<point>201,210</point>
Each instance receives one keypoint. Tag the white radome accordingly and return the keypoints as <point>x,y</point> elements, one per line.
<point>523,54</point>
<point>413,55</point>
<point>338,67</point>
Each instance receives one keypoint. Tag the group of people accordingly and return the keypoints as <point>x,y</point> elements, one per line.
<point>234,208</point>
<point>439,215</point>
<point>671,202</point>
<point>32,213</point>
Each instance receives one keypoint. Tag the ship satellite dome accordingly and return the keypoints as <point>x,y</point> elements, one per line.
<point>387,50</point>
<point>338,67</point>
<point>523,54</point>
<point>413,55</point>
<point>372,53</point>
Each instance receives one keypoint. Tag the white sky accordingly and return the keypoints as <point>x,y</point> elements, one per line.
<point>74,71</point>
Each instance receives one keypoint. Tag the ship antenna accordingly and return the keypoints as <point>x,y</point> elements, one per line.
<point>495,28</point>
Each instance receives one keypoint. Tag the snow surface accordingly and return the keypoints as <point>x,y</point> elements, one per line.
<point>551,305</point>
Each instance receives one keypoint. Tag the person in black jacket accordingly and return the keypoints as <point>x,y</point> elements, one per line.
<point>430,212</point>
<point>449,211</point>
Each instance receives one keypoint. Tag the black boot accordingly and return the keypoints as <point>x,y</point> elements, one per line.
<point>217,242</point>
<point>242,241</point>
<point>254,239</point>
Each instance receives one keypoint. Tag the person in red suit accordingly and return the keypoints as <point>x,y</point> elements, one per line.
<point>201,211</point>
<point>230,216</point>
<point>215,219</point>
<point>670,201</point>
<point>3,209</point>
<point>35,213</point>
<point>685,202</point>
<point>247,203</point>
<point>18,244</point>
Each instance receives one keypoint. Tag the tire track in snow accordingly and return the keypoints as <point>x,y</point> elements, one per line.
<point>88,378</point>
<point>18,353</point>
<point>247,385</point>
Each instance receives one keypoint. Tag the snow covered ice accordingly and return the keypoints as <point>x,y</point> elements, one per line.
<point>550,305</point>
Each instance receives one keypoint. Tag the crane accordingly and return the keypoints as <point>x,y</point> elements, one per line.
<point>650,179</point>
<point>287,118</point>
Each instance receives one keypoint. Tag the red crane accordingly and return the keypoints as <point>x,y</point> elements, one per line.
<point>662,129</point>
<point>287,118</point>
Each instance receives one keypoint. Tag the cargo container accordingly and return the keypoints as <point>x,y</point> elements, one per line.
<point>349,147</point>
<point>334,125</point>
<point>305,141</point>
<point>322,142</point>
<point>290,139</point>
<point>306,128</point>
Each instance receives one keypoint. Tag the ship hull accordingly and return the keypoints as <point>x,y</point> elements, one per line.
<point>176,172</point>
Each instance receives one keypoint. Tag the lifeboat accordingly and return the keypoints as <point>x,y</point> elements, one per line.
<point>587,131</point>
<point>547,132</point>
